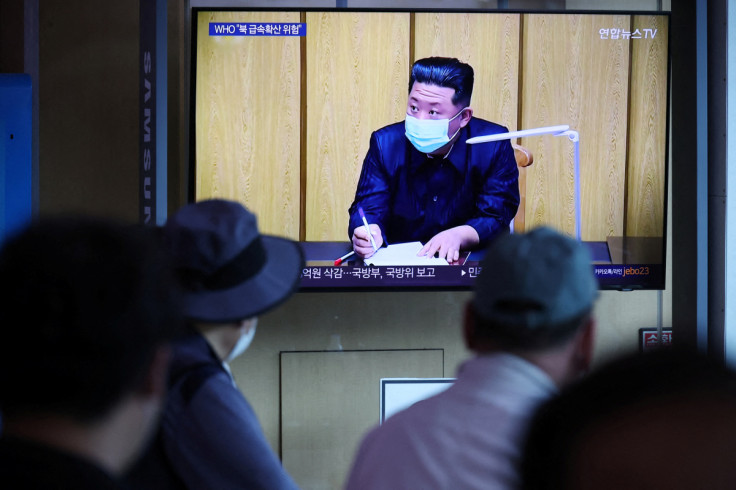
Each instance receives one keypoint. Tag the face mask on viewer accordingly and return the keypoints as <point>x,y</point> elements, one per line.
<point>243,342</point>
<point>428,135</point>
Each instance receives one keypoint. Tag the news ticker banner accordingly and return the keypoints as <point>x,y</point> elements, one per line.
<point>625,277</point>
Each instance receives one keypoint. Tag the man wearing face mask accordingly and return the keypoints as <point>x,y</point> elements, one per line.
<point>210,436</point>
<point>421,182</point>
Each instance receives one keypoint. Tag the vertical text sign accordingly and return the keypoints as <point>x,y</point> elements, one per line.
<point>147,87</point>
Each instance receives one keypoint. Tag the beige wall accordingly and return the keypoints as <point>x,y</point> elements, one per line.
<point>373,322</point>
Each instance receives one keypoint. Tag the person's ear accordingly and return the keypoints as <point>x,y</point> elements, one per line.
<point>466,116</point>
<point>585,345</point>
<point>154,382</point>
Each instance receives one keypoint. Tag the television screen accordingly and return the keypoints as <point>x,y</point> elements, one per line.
<point>306,117</point>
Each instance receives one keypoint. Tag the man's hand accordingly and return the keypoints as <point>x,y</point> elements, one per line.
<point>361,242</point>
<point>447,244</point>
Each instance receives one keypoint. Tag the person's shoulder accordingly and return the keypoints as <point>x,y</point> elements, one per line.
<point>38,465</point>
<point>391,133</point>
<point>401,430</point>
<point>397,127</point>
<point>478,126</point>
<point>218,388</point>
<point>196,374</point>
<point>211,403</point>
<point>394,446</point>
<point>390,138</point>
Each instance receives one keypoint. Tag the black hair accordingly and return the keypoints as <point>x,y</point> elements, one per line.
<point>84,305</point>
<point>445,72</point>
<point>510,336</point>
<point>626,385</point>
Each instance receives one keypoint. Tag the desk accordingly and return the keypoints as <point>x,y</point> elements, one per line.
<point>321,273</point>
<point>619,263</point>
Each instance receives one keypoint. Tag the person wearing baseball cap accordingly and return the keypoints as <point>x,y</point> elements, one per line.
<point>209,435</point>
<point>531,327</point>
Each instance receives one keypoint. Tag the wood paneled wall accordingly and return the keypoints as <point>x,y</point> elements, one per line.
<point>571,76</point>
<point>490,44</point>
<point>248,112</point>
<point>357,75</point>
<point>283,124</point>
<point>647,134</point>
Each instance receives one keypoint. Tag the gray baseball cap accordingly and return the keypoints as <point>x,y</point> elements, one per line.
<point>535,280</point>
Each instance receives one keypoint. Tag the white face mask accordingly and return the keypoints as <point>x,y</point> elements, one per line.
<point>243,342</point>
<point>428,135</point>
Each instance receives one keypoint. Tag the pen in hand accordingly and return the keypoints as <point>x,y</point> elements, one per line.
<point>367,229</point>
<point>343,258</point>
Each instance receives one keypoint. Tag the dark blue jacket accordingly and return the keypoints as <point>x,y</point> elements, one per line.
<point>413,197</point>
<point>209,436</point>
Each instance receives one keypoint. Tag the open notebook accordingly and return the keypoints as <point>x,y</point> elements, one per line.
<point>402,254</point>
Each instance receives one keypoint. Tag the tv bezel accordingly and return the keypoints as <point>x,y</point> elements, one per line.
<point>385,286</point>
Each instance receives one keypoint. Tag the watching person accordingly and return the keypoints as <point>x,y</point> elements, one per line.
<point>421,182</point>
<point>530,325</point>
<point>663,419</point>
<point>210,436</point>
<point>87,309</point>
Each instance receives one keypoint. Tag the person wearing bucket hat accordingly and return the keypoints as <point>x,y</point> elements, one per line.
<point>209,435</point>
<point>531,327</point>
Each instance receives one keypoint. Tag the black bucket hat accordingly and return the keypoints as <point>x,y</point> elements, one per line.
<point>228,270</point>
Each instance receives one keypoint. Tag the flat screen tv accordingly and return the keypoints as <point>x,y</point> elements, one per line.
<point>285,102</point>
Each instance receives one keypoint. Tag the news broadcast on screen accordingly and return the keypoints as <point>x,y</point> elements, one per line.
<point>395,145</point>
